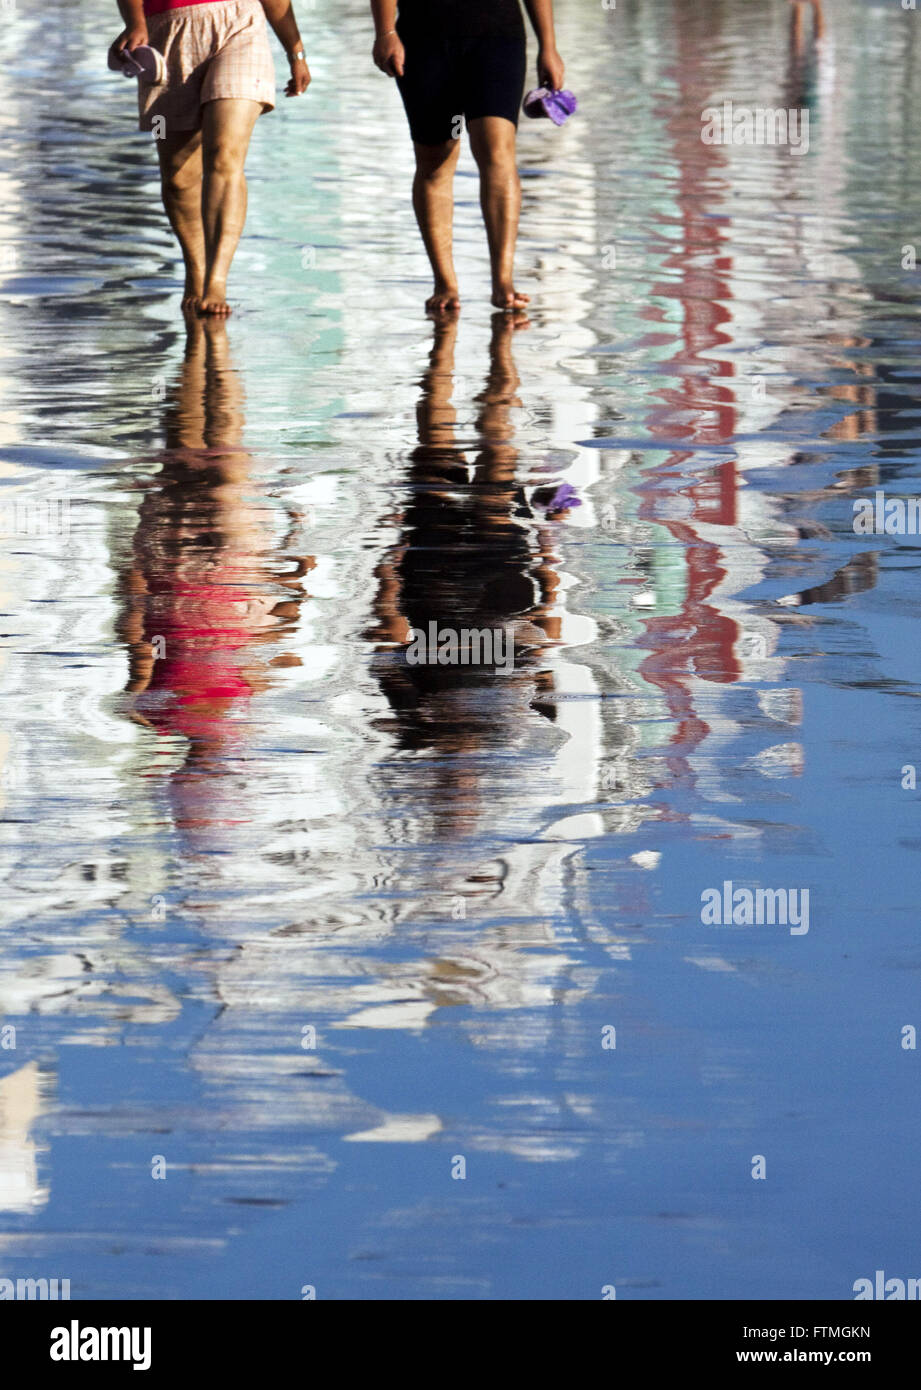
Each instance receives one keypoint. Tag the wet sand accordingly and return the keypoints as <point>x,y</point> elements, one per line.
<point>307,923</point>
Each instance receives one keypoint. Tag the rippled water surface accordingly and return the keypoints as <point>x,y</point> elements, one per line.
<point>309,924</point>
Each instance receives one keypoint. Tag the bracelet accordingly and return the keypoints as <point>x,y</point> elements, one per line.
<point>297,57</point>
<point>387,35</point>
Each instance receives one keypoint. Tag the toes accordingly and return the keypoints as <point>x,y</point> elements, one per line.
<point>215,308</point>
<point>445,301</point>
<point>510,300</point>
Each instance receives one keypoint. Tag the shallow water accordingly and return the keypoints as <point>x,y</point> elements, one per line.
<point>460,879</point>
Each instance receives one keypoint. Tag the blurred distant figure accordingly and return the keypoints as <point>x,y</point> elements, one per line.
<point>818,18</point>
<point>803,52</point>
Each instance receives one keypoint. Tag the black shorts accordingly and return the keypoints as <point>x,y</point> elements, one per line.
<point>447,78</point>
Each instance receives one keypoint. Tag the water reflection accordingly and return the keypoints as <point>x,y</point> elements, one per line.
<point>477,549</point>
<point>236,810</point>
<point>20,1106</point>
<point>472,554</point>
<point>211,589</point>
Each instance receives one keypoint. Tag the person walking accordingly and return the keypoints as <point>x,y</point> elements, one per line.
<point>219,78</point>
<point>456,59</point>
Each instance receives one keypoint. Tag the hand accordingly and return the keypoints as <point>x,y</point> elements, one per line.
<point>550,69</point>
<point>130,39</point>
<point>390,55</point>
<point>299,80</point>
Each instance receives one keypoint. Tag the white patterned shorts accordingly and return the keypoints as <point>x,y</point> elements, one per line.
<point>212,51</point>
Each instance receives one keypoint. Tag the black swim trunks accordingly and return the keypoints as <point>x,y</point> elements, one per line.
<point>464,58</point>
<point>461,19</point>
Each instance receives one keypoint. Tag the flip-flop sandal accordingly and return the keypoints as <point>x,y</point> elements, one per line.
<point>556,500</point>
<point>558,106</point>
<point>144,62</point>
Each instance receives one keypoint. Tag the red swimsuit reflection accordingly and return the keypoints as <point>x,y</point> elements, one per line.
<point>212,582</point>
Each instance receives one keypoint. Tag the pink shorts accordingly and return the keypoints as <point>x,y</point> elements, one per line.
<point>213,52</point>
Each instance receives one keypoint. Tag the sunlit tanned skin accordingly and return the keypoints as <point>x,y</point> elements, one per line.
<point>201,171</point>
<point>492,140</point>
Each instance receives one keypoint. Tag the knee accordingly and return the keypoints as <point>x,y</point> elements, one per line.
<point>496,159</point>
<point>180,179</point>
<point>226,159</point>
<point>438,164</point>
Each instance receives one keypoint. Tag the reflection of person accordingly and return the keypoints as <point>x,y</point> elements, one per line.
<point>211,583</point>
<point>219,80</point>
<point>454,58</point>
<point>471,556</point>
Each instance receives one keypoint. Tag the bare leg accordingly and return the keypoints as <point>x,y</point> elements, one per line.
<point>492,139</point>
<point>433,202</point>
<point>226,129</point>
<point>818,18</point>
<point>180,184</point>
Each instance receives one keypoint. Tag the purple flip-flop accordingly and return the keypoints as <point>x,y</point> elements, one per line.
<point>144,62</point>
<point>556,501</point>
<point>558,106</point>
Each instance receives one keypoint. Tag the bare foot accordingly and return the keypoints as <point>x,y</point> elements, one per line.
<point>191,294</point>
<point>508,298</point>
<point>213,300</point>
<point>444,300</point>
